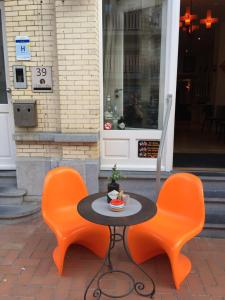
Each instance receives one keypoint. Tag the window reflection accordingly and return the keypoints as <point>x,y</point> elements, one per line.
<point>132,46</point>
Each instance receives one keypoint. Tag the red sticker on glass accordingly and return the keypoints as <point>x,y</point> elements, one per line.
<point>108,126</point>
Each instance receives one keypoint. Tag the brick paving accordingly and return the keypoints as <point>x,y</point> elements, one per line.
<point>27,271</point>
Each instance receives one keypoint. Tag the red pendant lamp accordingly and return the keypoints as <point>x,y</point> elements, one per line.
<point>208,21</point>
<point>188,17</point>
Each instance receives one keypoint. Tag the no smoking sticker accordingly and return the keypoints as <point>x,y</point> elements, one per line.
<point>107,126</point>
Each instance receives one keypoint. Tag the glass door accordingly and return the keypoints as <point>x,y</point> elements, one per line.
<point>135,44</point>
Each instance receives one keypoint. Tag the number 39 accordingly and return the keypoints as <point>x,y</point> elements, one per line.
<point>41,72</point>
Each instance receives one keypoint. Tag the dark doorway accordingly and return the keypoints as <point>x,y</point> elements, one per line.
<point>200,101</point>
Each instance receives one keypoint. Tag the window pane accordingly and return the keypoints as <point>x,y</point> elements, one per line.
<point>132,49</point>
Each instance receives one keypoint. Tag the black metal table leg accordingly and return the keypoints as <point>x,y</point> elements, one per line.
<point>136,286</point>
<point>139,286</point>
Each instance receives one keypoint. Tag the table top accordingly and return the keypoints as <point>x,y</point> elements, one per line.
<point>141,209</point>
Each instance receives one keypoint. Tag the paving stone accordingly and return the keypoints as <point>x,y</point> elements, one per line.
<point>27,271</point>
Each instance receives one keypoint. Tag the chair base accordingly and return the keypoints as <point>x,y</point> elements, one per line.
<point>83,238</point>
<point>143,249</point>
<point>181,267</point>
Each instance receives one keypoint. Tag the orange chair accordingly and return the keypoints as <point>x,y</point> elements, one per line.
<point>63,189</point>
<point>180,216</point>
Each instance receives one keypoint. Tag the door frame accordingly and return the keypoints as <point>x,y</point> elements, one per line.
<point>171,59</point>
<point>173,19</point>
<point>8,107</point>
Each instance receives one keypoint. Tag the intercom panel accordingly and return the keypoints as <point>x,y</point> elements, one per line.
<point>19,75</point>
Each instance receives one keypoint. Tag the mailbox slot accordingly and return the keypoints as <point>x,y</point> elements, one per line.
<point>25,113</point>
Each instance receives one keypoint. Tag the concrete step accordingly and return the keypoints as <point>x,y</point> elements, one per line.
<point>10,214</point>
<point>147,188</point>
<point>206,176</point>
<point>11,195</point>
<point>213,182</point>
<point>142,183</point>
<point>213,231</point>
<point>215,193</point>
<point>145,182</point>
<point>7,178</point>
<point>209,175</point>
<point>18,211</point>
<point>215,218</point>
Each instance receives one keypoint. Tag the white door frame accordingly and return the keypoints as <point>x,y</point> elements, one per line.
<point>11,164</point>
<point>173,19</point>
<point>171,59</point>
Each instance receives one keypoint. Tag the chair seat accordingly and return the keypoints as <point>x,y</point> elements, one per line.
<point>169,228</point>
<point>67,220</point>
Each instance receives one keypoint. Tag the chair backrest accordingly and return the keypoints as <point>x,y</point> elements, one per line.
<point>63,186</point>
<point>182,194</point>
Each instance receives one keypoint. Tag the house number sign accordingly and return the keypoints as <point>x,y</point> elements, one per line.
<point>42,79</point>
<point>148,149</point>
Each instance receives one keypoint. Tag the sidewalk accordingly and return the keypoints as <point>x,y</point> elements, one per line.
<point>27,271</point>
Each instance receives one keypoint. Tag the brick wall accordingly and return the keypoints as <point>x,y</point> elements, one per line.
<point>77,44</point>
<point>35,149</point>
<point>36,20</point>
<point>64,35</point>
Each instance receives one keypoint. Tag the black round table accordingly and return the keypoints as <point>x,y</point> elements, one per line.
<point>139,209</point>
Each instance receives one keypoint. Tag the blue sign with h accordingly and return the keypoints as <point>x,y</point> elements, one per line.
<point>23,48</point>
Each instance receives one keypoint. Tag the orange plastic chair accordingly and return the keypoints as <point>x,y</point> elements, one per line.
<point>63,189</point>
<point>180,216</point>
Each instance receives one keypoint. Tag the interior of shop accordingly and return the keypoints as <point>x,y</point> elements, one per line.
<point>131,63</point>
<point>200,102</point>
